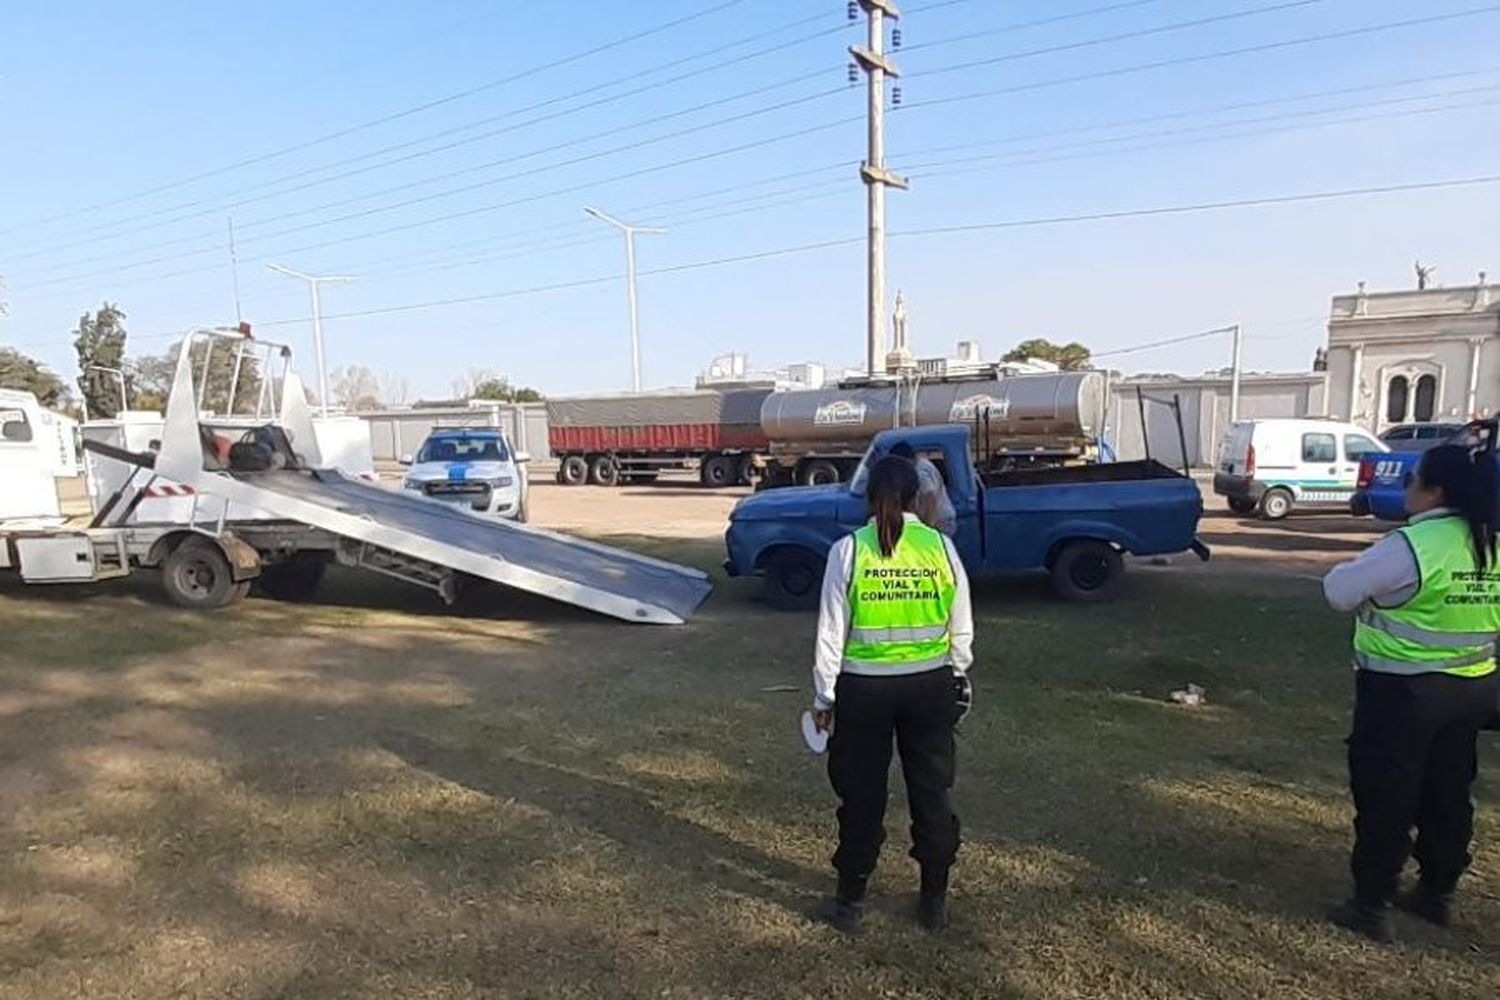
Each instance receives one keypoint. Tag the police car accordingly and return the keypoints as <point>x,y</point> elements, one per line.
<point>472,468</point>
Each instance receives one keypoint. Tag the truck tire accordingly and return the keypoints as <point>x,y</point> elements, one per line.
<point>1277,504</point>
<point>718,471</point>
<point>793,579</point>
<point>296,579</point>
<point>573,471</point>
<point>604,472</point>
<point>1087,571</point>
<point>1242,505</point>
<point>197,575</point>
<point>819,472</point>
<point>744,471</point>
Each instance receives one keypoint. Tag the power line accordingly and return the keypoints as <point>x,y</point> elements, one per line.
<point>1018,26</point>
<point>1203,57</point>
<point>397,115</point>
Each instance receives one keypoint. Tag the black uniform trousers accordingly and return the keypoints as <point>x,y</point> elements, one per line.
<point>919,711</point>
<point>1412,760</point>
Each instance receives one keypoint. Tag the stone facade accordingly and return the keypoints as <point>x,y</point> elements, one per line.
<point>1418,355</point>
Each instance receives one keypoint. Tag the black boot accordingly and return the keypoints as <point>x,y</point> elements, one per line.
<point>1368,919</point>
<point>932,905</point>
<point>844,910</point>
<point>1428,903</point>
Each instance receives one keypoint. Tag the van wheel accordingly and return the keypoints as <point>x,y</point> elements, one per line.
<point>1087,571</point>
<point>197,575</point>
<point>604,471</point>
<point>1276,504</point>
<point>820,473</point>
<point>794,579</point>
<point>1242,506</point>
<point>718,471</point>
<point>573,471</point>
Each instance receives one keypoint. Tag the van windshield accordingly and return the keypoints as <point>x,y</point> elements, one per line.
<point>463,448</point>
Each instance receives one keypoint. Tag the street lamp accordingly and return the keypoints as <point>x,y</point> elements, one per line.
<point>635,322</point>
<point>315,282</point>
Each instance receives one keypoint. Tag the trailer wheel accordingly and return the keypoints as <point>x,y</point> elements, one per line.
<point>718,471</point>
<point>820,472</point>
<point>604,472</point>
<point>793,579</point>
<point>296,579</point>
<point>197,575</point>
<point>573,471</point>
<point>744,471</point>
<point>1087,571</point>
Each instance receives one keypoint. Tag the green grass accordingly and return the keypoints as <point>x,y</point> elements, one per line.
<point>371,797</point>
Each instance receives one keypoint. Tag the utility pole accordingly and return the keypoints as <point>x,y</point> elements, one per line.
<point>234,272</point>
<point>872,60</point>
<point>635,320</point>
<point>315,282</point>
<point>1234,375</point>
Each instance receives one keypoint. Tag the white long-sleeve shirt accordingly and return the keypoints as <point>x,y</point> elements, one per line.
<point>1385,574</point>
<point>833,617</point>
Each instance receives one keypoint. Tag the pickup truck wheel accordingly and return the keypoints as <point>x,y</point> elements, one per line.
<point>296,579</point>
<point>718,471</point>
<point>604,472</point>
<point>1276,504</point>
<point>794,579</point>
<point>573,471</point>
<point>1241,505</point>
<point>820,473</point>
<point>197,575</point>
<point>1087,571</point>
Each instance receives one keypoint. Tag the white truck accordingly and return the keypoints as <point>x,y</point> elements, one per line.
<point>219,499</point>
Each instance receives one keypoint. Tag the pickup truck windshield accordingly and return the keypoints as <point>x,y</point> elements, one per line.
<point>463,449</point>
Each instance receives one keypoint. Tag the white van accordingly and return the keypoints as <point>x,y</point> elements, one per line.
<point>1274,466</point>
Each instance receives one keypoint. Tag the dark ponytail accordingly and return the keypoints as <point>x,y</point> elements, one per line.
<point>1470,483</point>
<point>892,489</point>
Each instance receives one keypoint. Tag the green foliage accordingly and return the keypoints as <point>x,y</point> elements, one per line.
<point>17,371</point>
<point>1068,357</point>
<point>150,378</point>
<point>99,342</point>
<point>500,389</point>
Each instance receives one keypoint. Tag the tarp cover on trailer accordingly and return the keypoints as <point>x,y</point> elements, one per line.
<point>690,421</point>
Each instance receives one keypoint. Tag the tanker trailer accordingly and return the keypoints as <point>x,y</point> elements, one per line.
<point>817,437</point>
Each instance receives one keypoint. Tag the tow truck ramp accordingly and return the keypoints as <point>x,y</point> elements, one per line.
<point>416,539</point>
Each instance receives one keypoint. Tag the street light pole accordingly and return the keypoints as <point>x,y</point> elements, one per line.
<point>315,282</point>
<point>635,321</point>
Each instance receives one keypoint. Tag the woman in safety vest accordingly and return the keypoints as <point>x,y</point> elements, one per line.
<point>895,637</point>
<point>1428,600</point>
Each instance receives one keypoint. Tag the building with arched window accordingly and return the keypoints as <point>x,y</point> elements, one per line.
<point>1430,354</point>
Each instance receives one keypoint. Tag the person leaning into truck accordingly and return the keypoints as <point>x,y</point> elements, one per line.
<point>895,637</point>
<point>1428,601</point>
<point>932,504</point>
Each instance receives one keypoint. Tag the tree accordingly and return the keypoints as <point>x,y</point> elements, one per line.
<point>17,371</point>
<point>150,377</point>
<point>355,388</point>
<point>393,390</point>
<point>501,389</point>
<point>1068,357</point>
<point>100,343</point>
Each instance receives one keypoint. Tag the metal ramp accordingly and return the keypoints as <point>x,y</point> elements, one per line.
<point>424,542</point>
<point>395,533</point>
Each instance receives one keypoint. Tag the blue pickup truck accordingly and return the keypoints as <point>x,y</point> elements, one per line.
<point>1076,522</point>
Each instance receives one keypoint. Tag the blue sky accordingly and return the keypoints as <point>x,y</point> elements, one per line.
<point>134,131</point>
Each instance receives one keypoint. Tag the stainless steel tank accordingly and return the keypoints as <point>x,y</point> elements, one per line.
<point>1054,407</point>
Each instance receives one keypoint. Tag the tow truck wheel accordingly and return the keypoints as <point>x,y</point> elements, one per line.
<point>793,579</point>
<point>573,471</point>
<point>604,472</point>
<point>718,471</point>
<point>1241,505</point>
<point>296,579</point>
<point>197,575</point>
<point>1276,504</point>
<point>1087,571</point>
